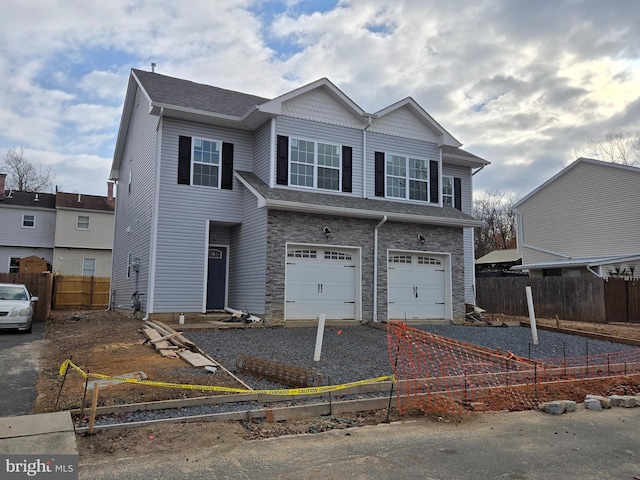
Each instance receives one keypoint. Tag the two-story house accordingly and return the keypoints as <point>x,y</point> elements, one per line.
<point>28,226</point>
<point>290,207</point>
<point>84,234</point>
<point>583,221</point>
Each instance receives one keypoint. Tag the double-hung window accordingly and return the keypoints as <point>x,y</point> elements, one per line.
<point>407,178</point>
<point>314,164</point>
<point>88,267</point>
<point>82,222</point>
<point>28,221</point>
<point>206,163</point>
<point>447,190</point>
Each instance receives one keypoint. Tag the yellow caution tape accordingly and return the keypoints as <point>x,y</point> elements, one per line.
<point>295,391</point>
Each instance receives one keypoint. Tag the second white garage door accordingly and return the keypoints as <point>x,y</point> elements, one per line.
<point>320,280</point>
<point>416,286</point>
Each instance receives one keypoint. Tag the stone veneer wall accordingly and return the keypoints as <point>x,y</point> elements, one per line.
<point>292,227</point>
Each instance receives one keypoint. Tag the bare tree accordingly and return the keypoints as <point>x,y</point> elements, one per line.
<point>26,176</point>
<point>495,208</point>
<point>614,147</point>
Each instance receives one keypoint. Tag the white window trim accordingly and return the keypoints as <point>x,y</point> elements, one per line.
<point>453,191</point>
<point>315,164</point>
<point>84,261</point>
<point>407,178</point>
<point>193,162</point>
<point>88,227</point>
<point>28,215</point>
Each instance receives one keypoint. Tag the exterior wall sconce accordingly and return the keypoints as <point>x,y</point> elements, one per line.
<point>326,231</point>
<point>421,238</point>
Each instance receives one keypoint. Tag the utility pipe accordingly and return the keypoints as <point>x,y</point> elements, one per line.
<point>319,336</point>
<point>375,268</point>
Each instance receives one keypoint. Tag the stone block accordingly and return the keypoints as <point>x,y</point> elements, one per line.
<point>557,407</point>
<point>569,405</point>
<point>592,404</point>
<point>626,401</point>
<point>605,402</point>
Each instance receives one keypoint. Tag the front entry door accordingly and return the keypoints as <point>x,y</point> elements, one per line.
<point>217,278</point>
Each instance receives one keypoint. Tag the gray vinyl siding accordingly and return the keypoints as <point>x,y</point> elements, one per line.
<point>396,145</point>
<point>248,263</point>
<point>134,210</point>
<point>590,211</point>
<point>464,173</point>
<point>12,232</point>
<point>184,212</point>
<point>262,146</point>
<point>322,132</point>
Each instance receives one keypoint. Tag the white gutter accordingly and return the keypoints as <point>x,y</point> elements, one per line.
<point>592,271</point>
<point>375,268</point>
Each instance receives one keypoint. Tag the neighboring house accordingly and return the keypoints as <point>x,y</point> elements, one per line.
<point>289,207</point>
<point>68,233</point>
<point>498,263</point>
<point>84,234</point>
<point>582,221</point>
<point>28,224</point>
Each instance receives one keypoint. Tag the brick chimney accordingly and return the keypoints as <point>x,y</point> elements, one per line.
<point>3,178</point>
<point>109,191</point>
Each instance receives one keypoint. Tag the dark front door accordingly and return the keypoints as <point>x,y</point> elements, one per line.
<point>217,278</point>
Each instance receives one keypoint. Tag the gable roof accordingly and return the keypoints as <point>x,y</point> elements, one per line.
<point>84,202</point>
<point>576,163</point>
<point>165,91</point>
<point>458,156</point>
<point>340,205</point>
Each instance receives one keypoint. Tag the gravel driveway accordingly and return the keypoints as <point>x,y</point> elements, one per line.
<point>359,352</point>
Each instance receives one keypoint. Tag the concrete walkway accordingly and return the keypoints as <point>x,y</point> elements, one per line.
<point>40,434</point>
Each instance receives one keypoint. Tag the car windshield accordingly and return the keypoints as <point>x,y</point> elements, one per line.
<point>12,293</point>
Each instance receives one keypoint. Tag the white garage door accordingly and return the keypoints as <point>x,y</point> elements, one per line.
<point>320,280</point>
<point>416,286</point>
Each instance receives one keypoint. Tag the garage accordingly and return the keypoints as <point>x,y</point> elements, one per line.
<point>321,280</point>
<point>417,286</point>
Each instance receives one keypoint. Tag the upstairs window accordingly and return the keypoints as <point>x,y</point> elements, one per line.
<point>207,163</point>
<point>407,178</point>
<point>314,165</point>
<point>28,221</point>
<point>82,222</point>
<point>452,192</point>
<point>310,164</point>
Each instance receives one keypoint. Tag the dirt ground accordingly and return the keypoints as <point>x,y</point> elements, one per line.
<point>110,343</point>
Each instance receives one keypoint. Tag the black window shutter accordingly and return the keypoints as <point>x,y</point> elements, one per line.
<point>227,166</point>
<point>184,160</point>
<point>379,174</point>
<point>347,169</point>
<point>433,182</point>
<point>457,193</point>
<point>282,160</point>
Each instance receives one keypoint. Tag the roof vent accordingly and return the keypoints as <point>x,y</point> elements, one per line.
<point>79,197</point>
<point>153,67</point>
<point>37,199</point>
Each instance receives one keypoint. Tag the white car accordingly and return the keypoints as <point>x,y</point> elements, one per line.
<point>16,307</point>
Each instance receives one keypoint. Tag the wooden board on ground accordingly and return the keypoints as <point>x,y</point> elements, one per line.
<point>195,359</point>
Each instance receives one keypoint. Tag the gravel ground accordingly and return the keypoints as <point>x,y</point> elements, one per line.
<point>350,354</point>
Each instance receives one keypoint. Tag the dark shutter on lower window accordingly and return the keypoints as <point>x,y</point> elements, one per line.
<point>434,191</point>
<point>379,174</point>
<point>457,193</point>
<point>227,166</point>
<point>347,169</point>
<point>184,160</point>
<point>282,160</point>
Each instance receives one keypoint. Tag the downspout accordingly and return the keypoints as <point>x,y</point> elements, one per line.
<point>375,268</point>
<point>478,170</point>
<point>594,272</point>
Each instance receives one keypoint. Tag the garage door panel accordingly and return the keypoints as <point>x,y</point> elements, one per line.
<point>320,281</point>
<point>416,287</point>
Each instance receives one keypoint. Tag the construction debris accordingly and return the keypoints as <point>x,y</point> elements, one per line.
<point>285,374</point>
<point>240,316</point>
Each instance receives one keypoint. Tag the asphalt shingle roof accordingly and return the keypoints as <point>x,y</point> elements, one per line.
<point>28,199</point>
<point>187,94</point>
<point>350,202</point>
<point>85,202</point>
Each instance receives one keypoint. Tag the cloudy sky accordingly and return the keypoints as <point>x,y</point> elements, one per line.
<point>520,83</point>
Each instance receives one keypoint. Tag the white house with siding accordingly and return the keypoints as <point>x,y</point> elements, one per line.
<point>582,221</point>
<point>289,207</point>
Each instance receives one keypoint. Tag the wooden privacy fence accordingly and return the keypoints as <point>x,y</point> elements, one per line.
<point>78,292</point>
<point>39,285</point>
<point>570,298</point>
